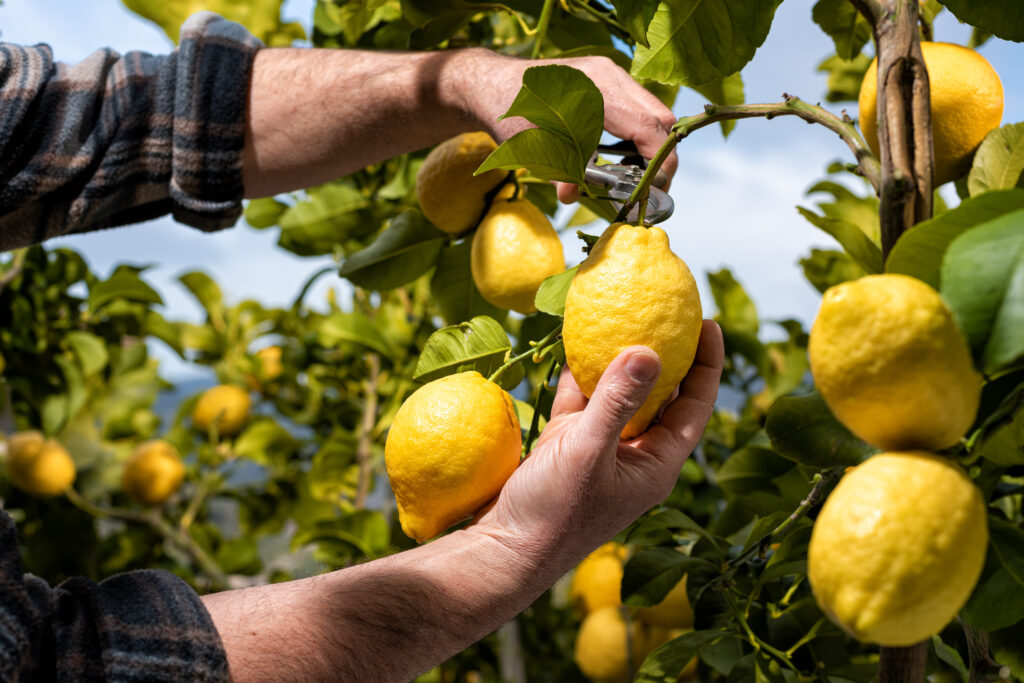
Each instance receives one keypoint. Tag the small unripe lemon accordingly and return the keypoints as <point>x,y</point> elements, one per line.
<point>514,250</point>
<point>597,581</point>
<point>891,363</point>
<point>966,101</point>
<point>271,366</point>
<point>630,290</point>
<point>450,449</point>
<point>451,197</point>
<point>39,466</point>
<point>224,405</point>
<point>153,472</point>
<point>897,547</point>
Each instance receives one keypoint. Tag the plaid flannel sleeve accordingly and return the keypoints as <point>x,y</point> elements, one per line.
<point>138,626</point>
<point>119,139</point>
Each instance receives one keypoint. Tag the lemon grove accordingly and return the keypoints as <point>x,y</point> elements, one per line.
<point>859,495</point>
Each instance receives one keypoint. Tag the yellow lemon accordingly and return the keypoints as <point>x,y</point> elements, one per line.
<point>891,363</point>
<point>226,406</point>
<point>597,581</point>
<point>451,447</point>
<point>153,472</point>
<point>451,197</point>
<point>270,362</point>
<point>37,465</point>
<point>898,547</point>
<point>514,250</point>
<point>966,99</point>
<point>608,649</point>
<point>673,612</point>
<point>632,290</point>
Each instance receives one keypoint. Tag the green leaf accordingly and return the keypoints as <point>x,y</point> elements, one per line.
<point>651,573</point>
<point>551,294</point>
<point>846,205</point>
<point>264,213</point>
<point>265,442</point>
<point>240,556</point>
<point>207,293</point>
<point>90,350</point>
<point>841,21</point>
<point>54,413</point>
<point>636,16</point>
<point>404,251</point>
<point>453,289</point>
<point>802,428</point>
<point>998,598</point>
<point>1002,433</point>
<point>999,161</point>
<point>1005,646</point>
<point>920,250</point>
<point>853,240</point>
<point>693,42</point>
<point>983,282</point>
<point>1001,18</point>
<point>735,308</point>
<point>751,469</point>
<point>74,384</point>
<point>844,77</point>
<point>949,655</point>
<point>480,344</point>
<point>334,474</point>
<point>353,328</point>
<point>261,17</point>
<point>725,90</point>
<point>124,283</point>
<point>668,661</point>
<point>826,268</point>
<point>673,519</point>
<point>331,214</point>
<point>568,110</point>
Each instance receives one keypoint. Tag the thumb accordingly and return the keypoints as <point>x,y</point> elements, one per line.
<point>625,384</point>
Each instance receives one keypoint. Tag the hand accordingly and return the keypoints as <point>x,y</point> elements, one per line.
<point>489,82</point>
<point>581,485</point>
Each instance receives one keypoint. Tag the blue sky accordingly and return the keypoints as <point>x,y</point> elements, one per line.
<point>734,199</point>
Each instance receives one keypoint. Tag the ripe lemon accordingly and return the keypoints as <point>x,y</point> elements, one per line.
<point>597,581</point>
<point>898,547</point>
<point>37,465</point>
<point>451,447</point>
<point>270,362</point>
<point>451,197</point>
<point>673,612</point>
<point>153,472</point>
<point>966,99</point>
<point>226,405</point>
<point>632,290</point>
<point>514,250</point>
<point>608,649</point>
<point>891,363</point>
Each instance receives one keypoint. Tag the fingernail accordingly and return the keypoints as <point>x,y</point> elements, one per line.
<point>642,367</point>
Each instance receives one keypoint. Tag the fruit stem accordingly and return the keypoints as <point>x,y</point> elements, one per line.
<point>542,28</point>
<point>790,106</point>
<point>533,350</point>
<point>534,430</point>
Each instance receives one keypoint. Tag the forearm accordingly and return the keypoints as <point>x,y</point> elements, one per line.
<point>315,115</point>
<point>385,620</point>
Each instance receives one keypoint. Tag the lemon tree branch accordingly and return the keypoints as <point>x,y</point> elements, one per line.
<point>542,28</point>
<point>367,421</point>
<point>867,164</point>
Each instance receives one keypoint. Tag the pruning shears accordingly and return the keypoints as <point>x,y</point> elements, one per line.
<point>619,181</point>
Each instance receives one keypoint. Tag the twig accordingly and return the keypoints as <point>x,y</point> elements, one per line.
<point>366,423</point>
<point>535,349</point>
<point>980,658</point>
<point>542,27</point>
<point>822,482</point>
<point>215,576</point>
<point>534,431</point>
<point>790,106</point>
